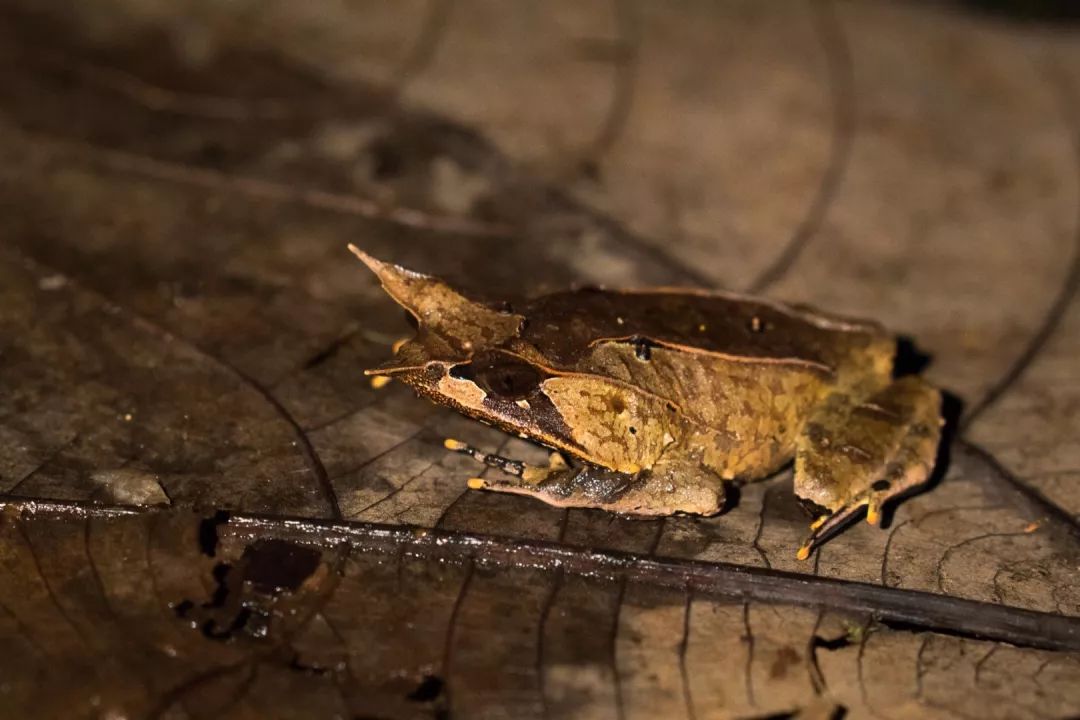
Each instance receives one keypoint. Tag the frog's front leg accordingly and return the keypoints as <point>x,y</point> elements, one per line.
<point>668,487</point>
<point>853,453</point>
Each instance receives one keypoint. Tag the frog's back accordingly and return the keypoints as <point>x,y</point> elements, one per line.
<point>735,327</point>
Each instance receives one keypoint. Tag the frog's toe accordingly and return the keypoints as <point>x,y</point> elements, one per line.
<point>829,522</point>
<point>513,467</point>
<point>826,524</point>
<point>552,483</point>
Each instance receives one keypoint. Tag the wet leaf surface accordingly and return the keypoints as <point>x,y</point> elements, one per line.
<point>209,512</point>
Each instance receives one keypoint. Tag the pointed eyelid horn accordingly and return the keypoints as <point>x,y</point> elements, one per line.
<point>442,312</point>
<point>393,278</point>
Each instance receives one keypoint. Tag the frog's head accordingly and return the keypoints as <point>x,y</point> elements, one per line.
<point>468,355</point>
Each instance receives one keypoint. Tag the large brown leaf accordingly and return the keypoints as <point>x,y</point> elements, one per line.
<point>208,511</point>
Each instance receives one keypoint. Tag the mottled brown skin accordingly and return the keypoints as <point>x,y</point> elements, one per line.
<point>662,395</point>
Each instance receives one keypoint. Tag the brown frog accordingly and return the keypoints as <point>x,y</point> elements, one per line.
<point>659,396</point>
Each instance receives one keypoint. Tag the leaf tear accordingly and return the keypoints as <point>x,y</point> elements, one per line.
<point>208,532</point>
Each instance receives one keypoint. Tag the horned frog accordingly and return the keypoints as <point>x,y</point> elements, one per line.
<point>661,396</point>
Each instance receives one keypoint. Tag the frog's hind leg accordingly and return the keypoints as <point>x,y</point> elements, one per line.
<point>853,454</point>
<point>662,490</point>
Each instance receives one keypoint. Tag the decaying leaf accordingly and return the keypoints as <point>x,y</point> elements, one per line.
<point>207,511</point>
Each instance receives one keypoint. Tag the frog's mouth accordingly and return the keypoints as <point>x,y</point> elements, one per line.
<point>497,389</point>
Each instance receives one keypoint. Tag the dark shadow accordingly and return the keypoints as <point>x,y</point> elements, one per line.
<point>1044,11</point>
<point>732,496</point>
<point>429,689</point>
<point>909,359</point>
<point>208,532</point>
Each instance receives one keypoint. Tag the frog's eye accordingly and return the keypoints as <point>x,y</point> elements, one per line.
<point>501,376</point>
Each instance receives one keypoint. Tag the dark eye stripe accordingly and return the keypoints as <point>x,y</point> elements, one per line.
<point>464,371</point>
<point>499,375</point>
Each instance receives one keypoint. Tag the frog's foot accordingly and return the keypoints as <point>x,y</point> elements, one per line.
<point>663,490</point>
<point>852,454</point>
<point>511,467</point>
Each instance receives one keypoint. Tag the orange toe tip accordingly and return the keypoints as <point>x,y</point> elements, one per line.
<point>379,381</point>
<point>476,483</point>
<point>452,444</point>
<point>873,517</point>
<point>804,552</point>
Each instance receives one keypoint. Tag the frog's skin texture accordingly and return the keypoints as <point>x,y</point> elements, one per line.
<point>659,396</point>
